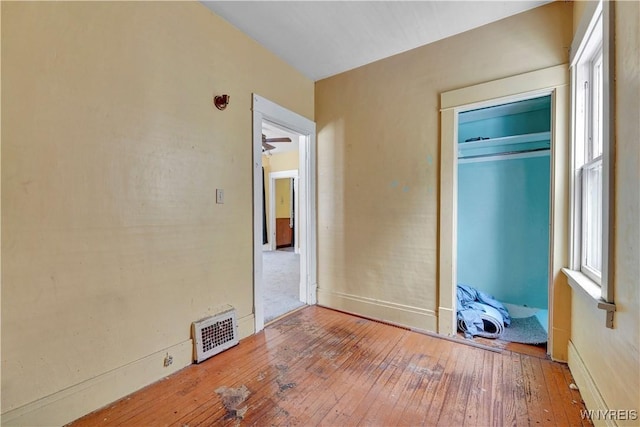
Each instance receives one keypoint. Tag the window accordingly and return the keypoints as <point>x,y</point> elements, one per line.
<point>590,152</point>
<point>591,169</point>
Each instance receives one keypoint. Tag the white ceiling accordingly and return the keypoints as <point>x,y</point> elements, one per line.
<point>324,38</point>
<point>271,130</point>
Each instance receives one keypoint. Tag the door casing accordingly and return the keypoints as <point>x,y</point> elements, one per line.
<point>552,81</point>
<point>264,109</point>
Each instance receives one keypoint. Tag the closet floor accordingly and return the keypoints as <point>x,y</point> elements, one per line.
<point>539,351</point>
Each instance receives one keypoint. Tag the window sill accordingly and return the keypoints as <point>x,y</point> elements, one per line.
<point>581,282</point>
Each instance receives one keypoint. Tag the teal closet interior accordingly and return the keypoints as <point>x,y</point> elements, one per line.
<point>503,201</point>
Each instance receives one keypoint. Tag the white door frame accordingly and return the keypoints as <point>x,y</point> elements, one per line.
<point>272,208</point>
<point>550,81</point>
<point>263,109</point>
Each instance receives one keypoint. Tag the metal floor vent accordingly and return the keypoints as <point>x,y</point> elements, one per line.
<point>214,334</point>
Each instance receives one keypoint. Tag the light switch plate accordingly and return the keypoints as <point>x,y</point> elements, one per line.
<point>219,196</point>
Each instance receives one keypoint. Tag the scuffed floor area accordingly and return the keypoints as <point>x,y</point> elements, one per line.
<point>317,366</point>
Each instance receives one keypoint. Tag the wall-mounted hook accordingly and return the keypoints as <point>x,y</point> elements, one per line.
<point>221,101</point>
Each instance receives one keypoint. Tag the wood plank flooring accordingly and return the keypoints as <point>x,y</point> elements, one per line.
<point>322,367</point>
<point>498,344</point>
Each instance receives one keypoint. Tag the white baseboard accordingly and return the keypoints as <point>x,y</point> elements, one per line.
<point>72,403</point>
<point>402,315</point>
<point>78,400</point>
<point>246,326</point>
<point>447,324</point>
<point>588,389</point>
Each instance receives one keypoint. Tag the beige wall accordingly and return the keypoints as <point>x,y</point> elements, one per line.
<point>578,11</point>
<point>112,242</point>
<point>283,198</point>
<point>289,160</point>
<point>611,357</point>
<point>378,156</point>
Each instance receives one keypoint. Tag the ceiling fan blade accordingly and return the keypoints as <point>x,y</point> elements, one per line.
<point>267,147</point>
<point>277,139</point>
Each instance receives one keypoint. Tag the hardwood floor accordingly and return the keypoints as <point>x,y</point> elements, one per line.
<point>322,367</point>
<point>498,344</point>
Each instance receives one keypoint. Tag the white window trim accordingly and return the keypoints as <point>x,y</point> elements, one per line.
<point>602,293</point>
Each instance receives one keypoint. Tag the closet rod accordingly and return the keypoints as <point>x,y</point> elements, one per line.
<point>506,153</point>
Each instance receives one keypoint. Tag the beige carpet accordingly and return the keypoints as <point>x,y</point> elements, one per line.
<point>281,276</point>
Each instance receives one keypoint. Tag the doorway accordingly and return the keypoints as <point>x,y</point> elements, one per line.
<point>268,115</point>
<point>281,258</point>
<point>552,82</point>
<point>283,205</point>
<point>503,217</point>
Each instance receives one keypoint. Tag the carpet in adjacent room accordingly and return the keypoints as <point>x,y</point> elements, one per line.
<point>281,276</point>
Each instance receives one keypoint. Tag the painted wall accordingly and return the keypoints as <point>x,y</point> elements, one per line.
<point>289,160</point>
<point>612,356</point>
<point>283,198</point>
<point>503,229</point>
<point>112,150</point>
<point>378,154</point>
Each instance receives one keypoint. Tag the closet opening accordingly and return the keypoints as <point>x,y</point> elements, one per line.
<point>503,223</point>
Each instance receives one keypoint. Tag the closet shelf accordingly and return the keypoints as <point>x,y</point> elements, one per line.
<point>506,140</point>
